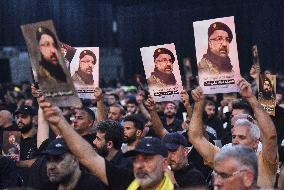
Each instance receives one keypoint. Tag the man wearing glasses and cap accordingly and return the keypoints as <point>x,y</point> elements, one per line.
<point>163,72</point>
<point>84,75</point>
<point>216,60</point>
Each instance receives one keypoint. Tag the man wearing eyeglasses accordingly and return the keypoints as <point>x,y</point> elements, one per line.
<point>163,72</point>
<point>216,60</point>
<point>235,168</point>
<point>244,132</point>
<point>84,75</point>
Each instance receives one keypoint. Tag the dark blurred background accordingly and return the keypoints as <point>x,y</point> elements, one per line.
<point>122,27</point>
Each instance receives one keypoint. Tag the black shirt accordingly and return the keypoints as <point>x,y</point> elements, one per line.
<point>8,173</point>
<point>87,181</point>
<point>120,160</point>
<point>28,148</point>
<point>118,178</point>
<point>189,177</point>
<point>174,126</point>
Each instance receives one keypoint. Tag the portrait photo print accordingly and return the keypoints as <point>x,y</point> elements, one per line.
<point>217,55</point>
<point>162,72</point>
<point>47,62</point>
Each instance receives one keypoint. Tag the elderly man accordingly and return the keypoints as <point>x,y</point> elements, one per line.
<point>50,70</point>
<point>244,132</point>
<point>148,167</point>
<point>163,72</point>
<point>235,168</point>
<point>84,75</point>
<point>216,60</point>
<point>63,169</point>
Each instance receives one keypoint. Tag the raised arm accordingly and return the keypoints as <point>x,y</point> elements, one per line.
<point>185,101</point>
<point>139,100</point>
<point>101,113</point>
<point>83,151</point>
<point>155,119</point>
<point>265,124</point>
<point>195,132</point>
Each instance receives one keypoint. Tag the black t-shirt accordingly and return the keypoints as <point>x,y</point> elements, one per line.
<point>118,178</point>
<point>120,160</point>
<point>189,177</point>
<point>174,126</point>
<point>87,181</point>
<point>28,148</point>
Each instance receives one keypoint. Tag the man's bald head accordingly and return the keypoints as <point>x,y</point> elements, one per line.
<point>6,118</point>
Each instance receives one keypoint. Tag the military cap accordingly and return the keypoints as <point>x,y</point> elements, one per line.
<point>220,26</point>
<point>42,30</point>
<point>163,51</point>
<point>88,52</point>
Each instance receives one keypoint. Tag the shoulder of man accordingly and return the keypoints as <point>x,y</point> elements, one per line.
<point>155,81</point>
<point>205,65</point>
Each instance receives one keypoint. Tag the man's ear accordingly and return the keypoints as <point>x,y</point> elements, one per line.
<point>248,178</point>
<point>185,151</point>
<point>138,133</point>
<point>165,164</point>
<point>109,144</point>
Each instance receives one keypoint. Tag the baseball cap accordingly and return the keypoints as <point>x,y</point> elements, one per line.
<point>149,145</point>
<point>56,147</point>
<point>25,110</point>
<point>220,26</point>
<point>174,140</point>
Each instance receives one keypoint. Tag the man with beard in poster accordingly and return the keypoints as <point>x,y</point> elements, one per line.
<point>50,70</point>
<point>216,61</point>
<point>84,75</point>
<point>163,72</point>
<point>267,95</point>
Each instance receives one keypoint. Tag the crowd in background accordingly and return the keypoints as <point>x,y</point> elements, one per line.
<point>125,140</point>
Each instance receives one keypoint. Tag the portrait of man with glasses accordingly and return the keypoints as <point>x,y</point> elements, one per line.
<point>163,72</point>
<point>216,60</point>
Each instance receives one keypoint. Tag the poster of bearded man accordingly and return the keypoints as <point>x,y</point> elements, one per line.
<point>162,72</point>
<point>217,55</point>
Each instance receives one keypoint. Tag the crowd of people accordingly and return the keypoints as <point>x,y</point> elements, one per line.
<point>124,140</point>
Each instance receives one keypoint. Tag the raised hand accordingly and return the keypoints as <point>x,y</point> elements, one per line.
<point>245,88</point>
<point>184,98</point>
<point>150,104</point>
<point>197,94</point>
<point>98,93</point>
<point>51,113</point>
<point>35,91</point>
